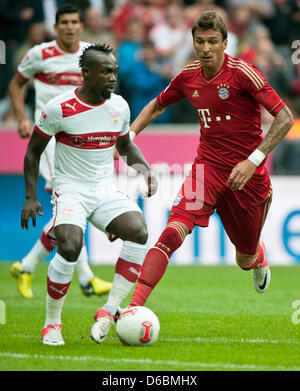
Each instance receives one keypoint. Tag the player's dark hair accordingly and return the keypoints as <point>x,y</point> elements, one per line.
<point>209,20</point>
<point>68,8</point>
<point>85,58</point>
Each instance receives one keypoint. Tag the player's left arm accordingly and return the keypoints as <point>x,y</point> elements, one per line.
<point>133,156</point>
<point>244,170</point>
<point>281,125</point>
<point>254,83</point>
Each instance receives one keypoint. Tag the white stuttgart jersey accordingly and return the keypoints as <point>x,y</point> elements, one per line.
<point>54,71</point>
<point>85,136</point>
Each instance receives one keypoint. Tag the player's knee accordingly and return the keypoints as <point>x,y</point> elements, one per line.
<point>138,233</point>
<point>70,248</point>
<point>245,261</point>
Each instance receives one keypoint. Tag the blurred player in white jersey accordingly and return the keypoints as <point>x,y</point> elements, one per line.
<point>54,67</point>
<point>87,124</point>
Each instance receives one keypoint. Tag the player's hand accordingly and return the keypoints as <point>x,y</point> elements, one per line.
<point>30,208</point>
<point>240,174</point>
<point>152,184</point>
<point>25,128</point>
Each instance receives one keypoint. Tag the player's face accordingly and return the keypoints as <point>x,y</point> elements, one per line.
<point>209,46</point>
<point>69,28</point>
<point>104,74</point>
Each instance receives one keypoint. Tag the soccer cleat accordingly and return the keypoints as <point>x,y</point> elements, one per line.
<point>104,320</point>
<point>51,335</point>
<point>96,286</point>
<point>118,313</point>
<point>261,279</point>
<point>23,280</point>
<point>261,274</point>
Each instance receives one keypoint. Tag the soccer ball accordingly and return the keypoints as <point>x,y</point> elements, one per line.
<point>138,326</point>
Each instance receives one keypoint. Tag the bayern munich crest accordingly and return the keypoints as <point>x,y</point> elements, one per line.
<point>223,90</point>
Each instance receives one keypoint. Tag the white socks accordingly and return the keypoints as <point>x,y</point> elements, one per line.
<point>82,267</point>
<point>126,273</point>
<point>35,256</point>
<point>59,277</point>
<point>119,291</point>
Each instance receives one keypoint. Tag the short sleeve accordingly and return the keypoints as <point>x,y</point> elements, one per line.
<point>256,85</point>
<point>30,63</point>
<point>48,124</point>
<point>125,118</point>
<point>172,93</point>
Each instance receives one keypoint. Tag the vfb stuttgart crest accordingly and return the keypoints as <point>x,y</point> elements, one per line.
<point>223,90</point>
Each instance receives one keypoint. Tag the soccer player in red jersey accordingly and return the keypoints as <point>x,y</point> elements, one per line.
<point>228,173</point>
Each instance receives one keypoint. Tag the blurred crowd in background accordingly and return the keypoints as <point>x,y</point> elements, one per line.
<point>152,40</point>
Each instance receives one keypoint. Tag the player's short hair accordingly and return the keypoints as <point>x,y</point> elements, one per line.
<point>68,8</point>
<point>210,20</point>
<point>85,58</point>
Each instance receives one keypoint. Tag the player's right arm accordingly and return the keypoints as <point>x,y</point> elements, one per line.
<point>29,66</point>
<point>45,128</point>
<point>36,146</point>
<point>15,89</point>
<point>149,113</point>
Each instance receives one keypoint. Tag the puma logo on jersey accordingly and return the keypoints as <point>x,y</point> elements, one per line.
<point>195,94</point>
<point>49,51</point>
<point>71,106</point>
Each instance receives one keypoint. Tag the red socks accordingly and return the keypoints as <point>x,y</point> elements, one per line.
<point>261,260</point>
<point>156,262</point>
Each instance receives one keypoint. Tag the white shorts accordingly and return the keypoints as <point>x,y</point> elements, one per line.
<point>74,205</point>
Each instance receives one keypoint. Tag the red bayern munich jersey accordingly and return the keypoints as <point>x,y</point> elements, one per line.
<point>228,107</point>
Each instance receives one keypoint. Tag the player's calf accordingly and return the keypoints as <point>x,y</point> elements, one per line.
<point>156,262</point>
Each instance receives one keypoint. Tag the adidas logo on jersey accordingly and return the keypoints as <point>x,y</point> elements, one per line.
<point>195,94</point>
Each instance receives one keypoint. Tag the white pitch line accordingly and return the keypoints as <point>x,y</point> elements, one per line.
<point>220,340</point>
<point>152,362</point>
<point>230,340</point>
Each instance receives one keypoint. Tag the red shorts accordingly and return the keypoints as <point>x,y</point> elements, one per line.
<point>242,212</point>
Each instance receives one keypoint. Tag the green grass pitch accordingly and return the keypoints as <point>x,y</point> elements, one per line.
<point>211,319</point>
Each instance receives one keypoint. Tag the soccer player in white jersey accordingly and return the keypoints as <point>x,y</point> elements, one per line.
<point>54,67</point>
<point>87,124</point>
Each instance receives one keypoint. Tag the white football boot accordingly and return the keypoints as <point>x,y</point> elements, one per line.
<point>104,320</point>
<point>262,275</point>
<point>51,335</point>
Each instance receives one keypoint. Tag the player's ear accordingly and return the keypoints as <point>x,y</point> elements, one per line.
<point>225,42</point>
<point>55,26</point>
<point>86,72</point>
